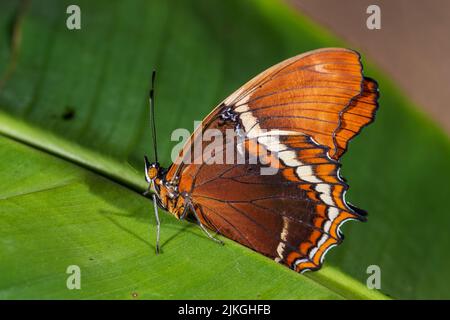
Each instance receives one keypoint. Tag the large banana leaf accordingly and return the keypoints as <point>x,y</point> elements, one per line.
<point>79,96</point>
<point>55,215</point>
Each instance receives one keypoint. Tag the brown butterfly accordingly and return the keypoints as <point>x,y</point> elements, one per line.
<point>300,114</point>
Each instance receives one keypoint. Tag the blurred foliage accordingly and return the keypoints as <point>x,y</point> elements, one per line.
<point>82,96</point>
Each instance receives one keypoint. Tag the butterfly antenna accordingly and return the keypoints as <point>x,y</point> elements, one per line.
<point>152,114</point>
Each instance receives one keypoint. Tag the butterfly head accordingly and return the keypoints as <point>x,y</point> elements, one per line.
<point>152,170</point>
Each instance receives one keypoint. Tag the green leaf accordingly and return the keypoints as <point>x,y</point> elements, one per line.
<point>55,215</point>
<point>80,97</point>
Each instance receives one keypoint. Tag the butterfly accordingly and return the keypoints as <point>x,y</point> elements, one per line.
<point>301,114</point>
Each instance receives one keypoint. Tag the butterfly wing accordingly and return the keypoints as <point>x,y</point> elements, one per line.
<point>321,93</point>
<point>292,216</point>
<point>302,112</point>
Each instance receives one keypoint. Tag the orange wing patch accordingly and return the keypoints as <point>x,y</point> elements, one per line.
<point>323,95</point>
<point>360,113</point>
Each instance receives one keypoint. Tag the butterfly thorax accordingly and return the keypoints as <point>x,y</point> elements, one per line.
<point>169,196</point>
<point>166,190</point>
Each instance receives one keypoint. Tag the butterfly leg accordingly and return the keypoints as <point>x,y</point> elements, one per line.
<point>188,204</point>
<point>146,192</point>
<point>155,206</point>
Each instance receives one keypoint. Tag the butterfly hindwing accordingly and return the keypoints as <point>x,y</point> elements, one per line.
<point>292,216</point>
